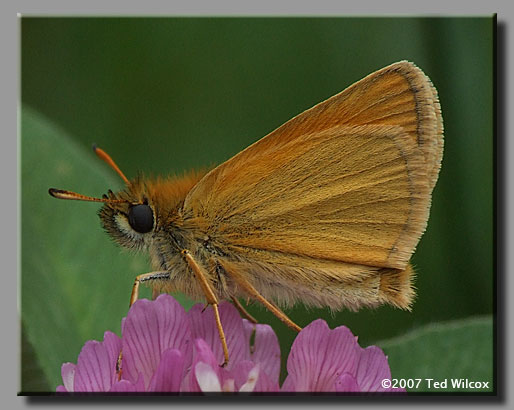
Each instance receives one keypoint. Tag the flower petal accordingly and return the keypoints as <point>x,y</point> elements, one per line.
<point>372,369</point>
<point>346,383</point>
<point>318,356</point>
<point>95,371</point>
<point>68,376</point>
<point>203,325</point>
<point>112,344</point>
<point>150,328</point>
<point>126,386</point>
<point>229,385</point>
<point>266,384</point>
<point>169,374</point>
<point>242,374</point>
<point>253,377</point>
<point>201,353</point>
<point>266,349</point>
<point>207,378</point>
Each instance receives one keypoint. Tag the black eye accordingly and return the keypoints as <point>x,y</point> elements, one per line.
<point>140,218</point>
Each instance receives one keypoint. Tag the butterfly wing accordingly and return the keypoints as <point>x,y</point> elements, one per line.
<point>349,180</point>
<point>353,194</point>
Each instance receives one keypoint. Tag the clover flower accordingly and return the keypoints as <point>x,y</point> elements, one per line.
<point>165,349</point>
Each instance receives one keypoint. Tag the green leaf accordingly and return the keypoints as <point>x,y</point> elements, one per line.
<point>453,352</point>
<point>75,282</point>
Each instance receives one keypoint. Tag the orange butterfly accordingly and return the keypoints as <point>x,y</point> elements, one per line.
<point>326,210</point>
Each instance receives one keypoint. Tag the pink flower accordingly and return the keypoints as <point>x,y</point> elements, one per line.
<point>166,349</point>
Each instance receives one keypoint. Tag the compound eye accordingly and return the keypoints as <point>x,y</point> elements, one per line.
<point>140,218</point>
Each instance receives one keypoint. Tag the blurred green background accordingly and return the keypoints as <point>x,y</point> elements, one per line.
<point>163,95</point>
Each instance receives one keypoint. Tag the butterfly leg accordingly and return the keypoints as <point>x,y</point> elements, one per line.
<point>251,291</point>
<point>210,296</point>
<point>145,277</point>
<point>242,310</point>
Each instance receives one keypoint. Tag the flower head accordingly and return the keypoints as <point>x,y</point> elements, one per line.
<point>165,349</point>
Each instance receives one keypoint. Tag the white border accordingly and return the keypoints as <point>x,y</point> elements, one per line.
<point>9,39</point>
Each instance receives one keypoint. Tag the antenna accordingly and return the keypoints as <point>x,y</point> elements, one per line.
<point>106,158</point>
<point>63,194</point>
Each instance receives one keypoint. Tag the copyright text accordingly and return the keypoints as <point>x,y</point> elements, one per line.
<point>435,384</point>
